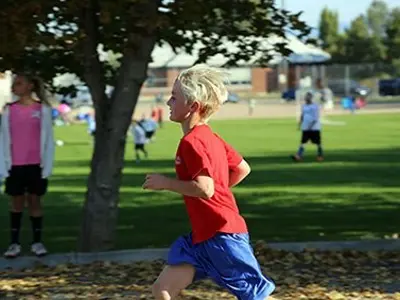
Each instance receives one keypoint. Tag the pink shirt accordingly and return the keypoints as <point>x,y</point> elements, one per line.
<point>25,125</point>
<point>64,108</point>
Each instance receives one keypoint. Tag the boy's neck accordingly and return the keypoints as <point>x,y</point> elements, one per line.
<point>190,123</point>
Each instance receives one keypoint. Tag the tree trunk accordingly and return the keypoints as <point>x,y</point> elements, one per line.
<point>102,197</point>
<point>113,118</point>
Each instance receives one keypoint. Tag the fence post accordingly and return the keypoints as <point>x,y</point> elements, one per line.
<point>314,76</point>
<point>323,74</point>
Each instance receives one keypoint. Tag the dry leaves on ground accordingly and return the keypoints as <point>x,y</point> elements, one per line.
<point>306,275</point>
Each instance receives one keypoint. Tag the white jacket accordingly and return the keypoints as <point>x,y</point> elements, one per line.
<point>47,147</point>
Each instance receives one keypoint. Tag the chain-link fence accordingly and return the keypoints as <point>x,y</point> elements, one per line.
<point>345,80</point>
<point>350,80</point>
<point>358,77</point>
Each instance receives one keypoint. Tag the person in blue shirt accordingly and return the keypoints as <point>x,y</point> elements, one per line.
<point>149,126</point>
<point>91,122</point>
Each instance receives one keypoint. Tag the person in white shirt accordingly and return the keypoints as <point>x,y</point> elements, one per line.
<point>149,126</point>
<point>139,137</point>
<point>310,125</point>
<point>325,94</point>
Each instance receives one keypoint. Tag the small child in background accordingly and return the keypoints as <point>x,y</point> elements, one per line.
<point>91,122</point>
<point>252,106</point>
<point>150,127</point>
<point>139,137</point>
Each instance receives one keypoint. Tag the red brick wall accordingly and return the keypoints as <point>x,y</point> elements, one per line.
<point>259,80</point>
<point>292,77</point>
<point>263,80</point>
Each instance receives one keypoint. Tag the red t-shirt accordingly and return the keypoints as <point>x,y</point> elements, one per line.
<point>200,150</point>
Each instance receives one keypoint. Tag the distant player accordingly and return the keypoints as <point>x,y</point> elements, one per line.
<point>207,167</point>
<point>150,127</point>
<point>91,122</point>
<point>140,140</point>
<point>326,95</point>
<point>310,126</point>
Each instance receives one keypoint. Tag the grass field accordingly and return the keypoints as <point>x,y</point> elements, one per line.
<point>353,195</point>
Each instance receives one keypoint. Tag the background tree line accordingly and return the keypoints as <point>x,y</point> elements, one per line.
<point>372,37</point>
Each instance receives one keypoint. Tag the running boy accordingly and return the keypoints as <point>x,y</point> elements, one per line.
<point>310,126</point>
<point>207,167</point>
<point>26,157</point>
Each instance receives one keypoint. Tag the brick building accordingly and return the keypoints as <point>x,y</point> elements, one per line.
<point>244,78</point>
<point>247,77</point>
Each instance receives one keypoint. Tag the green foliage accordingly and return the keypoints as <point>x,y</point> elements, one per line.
<point>53,40</point>
<point>369,39</point>
<point>392,40</point>
<point>396,66</point>
<point>377,16</point>
<point>329,30</point>
<point>360,46</point>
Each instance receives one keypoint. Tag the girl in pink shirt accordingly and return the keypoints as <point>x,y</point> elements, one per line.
<point>24,145</point>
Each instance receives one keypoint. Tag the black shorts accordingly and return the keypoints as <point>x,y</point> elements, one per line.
<point>26,180</point>
<point>149,134</point>
<point>139,147</point>
<point>311,135</point>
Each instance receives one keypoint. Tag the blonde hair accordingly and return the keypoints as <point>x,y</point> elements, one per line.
<point>204,84</point>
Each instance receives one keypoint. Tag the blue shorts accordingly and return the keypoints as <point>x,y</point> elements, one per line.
<point>228,259</point>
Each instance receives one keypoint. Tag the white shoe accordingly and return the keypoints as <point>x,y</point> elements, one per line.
<point>38,249</point>
<point>13,251</point>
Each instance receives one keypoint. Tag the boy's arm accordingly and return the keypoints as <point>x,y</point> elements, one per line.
<point>238,173</point>
<point>201,187</point>
<point>199,183</point>
<point>300,121</point>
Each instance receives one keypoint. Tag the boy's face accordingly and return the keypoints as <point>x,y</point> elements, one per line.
<point>179,108</point>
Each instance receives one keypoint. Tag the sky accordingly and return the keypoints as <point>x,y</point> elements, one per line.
<point>347,9</point>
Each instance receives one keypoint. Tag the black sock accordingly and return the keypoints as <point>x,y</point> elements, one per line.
<point>320,151</point>
<point>37,229</point>
<point>15,222</point>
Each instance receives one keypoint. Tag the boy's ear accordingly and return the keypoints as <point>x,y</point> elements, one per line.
<point>195,107</point>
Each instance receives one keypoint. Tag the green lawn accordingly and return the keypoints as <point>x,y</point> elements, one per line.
<point>354,194</point>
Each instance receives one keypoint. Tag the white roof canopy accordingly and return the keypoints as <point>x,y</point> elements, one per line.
<point>165,57</point>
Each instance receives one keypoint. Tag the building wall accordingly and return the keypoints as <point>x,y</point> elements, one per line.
<point>250,80</point>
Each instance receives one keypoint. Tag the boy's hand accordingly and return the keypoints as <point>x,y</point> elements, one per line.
<point>155,182</point>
